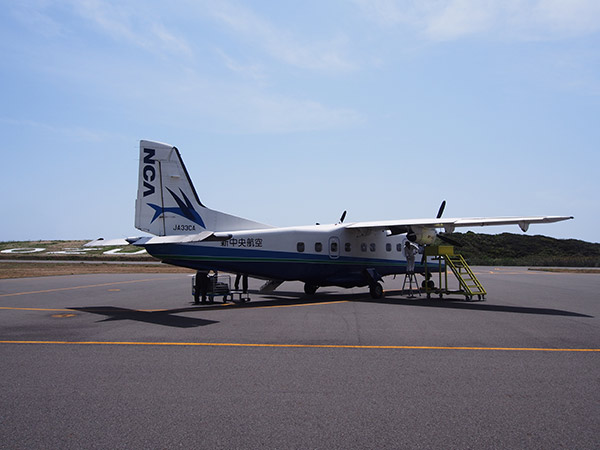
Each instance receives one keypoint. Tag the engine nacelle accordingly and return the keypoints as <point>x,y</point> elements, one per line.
<point>421,235</point>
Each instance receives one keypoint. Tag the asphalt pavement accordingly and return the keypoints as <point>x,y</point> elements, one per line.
<point>127,361</point>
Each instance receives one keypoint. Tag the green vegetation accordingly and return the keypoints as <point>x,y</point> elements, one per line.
<point>509,249</point>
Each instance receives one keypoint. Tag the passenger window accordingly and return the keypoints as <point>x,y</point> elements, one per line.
<point>334,247</point>
<point>399,247</point>
<point>348,247</point>
<point>372,247</point>
<point>318,247</point>
<point>363,247</point>
<point>300,247</point>
<point>388,247</point>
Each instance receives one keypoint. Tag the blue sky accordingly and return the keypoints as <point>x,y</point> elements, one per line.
<point>289,112</point>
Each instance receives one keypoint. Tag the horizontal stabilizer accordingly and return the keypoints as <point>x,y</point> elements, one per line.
<point>182,238</point>
<point>101,242</point>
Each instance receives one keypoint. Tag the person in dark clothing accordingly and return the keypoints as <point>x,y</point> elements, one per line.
<point>244,278</point>
<point>201,287</point>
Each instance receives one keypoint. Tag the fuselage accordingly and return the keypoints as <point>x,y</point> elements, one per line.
<point>189,234</point>
<point>323,255</point>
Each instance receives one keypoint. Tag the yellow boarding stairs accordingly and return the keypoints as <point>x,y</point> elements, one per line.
<point>469,285</point>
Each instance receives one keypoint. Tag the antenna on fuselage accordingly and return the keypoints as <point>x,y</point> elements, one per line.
<point>343,217</point>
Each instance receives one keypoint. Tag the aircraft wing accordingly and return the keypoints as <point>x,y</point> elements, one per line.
<point>403,226</point>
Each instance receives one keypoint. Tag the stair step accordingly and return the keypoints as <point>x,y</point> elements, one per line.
<point>466,278</point>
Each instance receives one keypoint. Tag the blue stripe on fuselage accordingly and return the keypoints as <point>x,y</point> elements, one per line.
<point>318,269</point>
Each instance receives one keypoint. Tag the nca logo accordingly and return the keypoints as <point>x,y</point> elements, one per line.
<point>149,171</point>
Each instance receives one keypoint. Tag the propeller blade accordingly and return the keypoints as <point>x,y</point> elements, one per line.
<point>441,210</point>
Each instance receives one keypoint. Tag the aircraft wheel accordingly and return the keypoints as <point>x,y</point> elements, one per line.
<point>376,290</point>
<point>310,289</point>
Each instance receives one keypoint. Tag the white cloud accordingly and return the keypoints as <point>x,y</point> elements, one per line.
<point>32,16</point>
<point>242,108</point>
<point>280,44</point>
<point>440,20</point>
<point>255,71</point>
<point>73,133</point>
<point>573,17</point>
<point>280,115</point>
<point>132,25</point>
<point>459,18</point>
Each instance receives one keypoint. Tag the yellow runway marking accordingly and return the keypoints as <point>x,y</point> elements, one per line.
<point>362,347</point>
<point>14,294</point>
<point>35,309</point>
<point>302,304</point>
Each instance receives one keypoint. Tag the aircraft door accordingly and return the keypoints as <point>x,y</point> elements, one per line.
<point>334,247</point>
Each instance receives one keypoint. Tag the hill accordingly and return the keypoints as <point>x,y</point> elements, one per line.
<point>509,249</point>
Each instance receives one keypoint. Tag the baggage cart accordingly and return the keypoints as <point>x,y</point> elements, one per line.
<point>220,286</point>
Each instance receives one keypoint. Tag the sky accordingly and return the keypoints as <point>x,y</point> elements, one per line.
<point>289,113</point>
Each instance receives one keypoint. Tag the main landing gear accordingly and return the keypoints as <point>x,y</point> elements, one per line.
<point>376,290</point>
<point>310,289</point>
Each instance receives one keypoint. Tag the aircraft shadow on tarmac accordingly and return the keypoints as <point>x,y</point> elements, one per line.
<point>169,317</point>
<point>450,303</point>
<point>282,298</point>
<point>161,317</point>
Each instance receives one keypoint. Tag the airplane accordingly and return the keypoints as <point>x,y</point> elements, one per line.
<point>187,233</point>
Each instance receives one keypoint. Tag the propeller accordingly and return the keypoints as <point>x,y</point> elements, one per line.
<point>441,210</point>
<point>442,236</point>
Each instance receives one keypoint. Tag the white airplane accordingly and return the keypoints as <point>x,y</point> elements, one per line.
<point>188,234</point>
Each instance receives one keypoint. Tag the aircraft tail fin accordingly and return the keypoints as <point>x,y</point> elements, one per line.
<point>167,202</point>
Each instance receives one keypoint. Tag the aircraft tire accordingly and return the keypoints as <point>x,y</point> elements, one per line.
<point>310,289</point>
<point>376,290</point>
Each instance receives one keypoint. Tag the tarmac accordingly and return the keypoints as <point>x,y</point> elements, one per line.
<point>127,361</point>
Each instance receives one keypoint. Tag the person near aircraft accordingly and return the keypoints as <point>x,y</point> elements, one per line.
<point>201,288</point>
<point>409,252</point>
<point>244,278</point>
